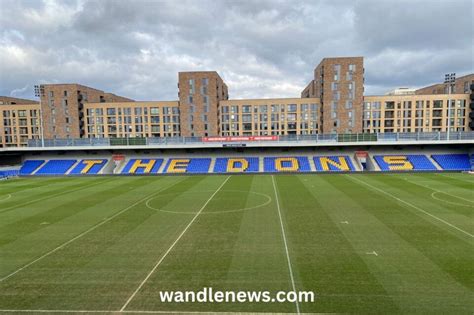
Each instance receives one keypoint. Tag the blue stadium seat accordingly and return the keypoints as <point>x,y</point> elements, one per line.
<point>89,166</point>
<point>411,162</point>
<point>29,166</point>
<point>333,163</point>
<point>453,162</point>
<point>286,164</point>
<point>142,166</point>
<point>236,165</point>
<point>9,173</point>
<point>56,167</point>
<point>183,165</point>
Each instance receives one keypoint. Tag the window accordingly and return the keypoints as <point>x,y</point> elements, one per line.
<point>65,93</point>
<point>204,81</point>
<point>349,104</point>
<point>191,86</point>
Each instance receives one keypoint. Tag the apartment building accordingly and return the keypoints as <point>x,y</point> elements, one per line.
<point>62,108</point>
<point>332,102</point>
<point>415,113</point>
<point>339,84</point>
<point>19,121</point>
<point>132,119</point>
<point>199,96</point>
<point>262,117</point>
<point>462,85</point>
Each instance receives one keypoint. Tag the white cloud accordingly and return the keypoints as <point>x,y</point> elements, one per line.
<point>261,48</point>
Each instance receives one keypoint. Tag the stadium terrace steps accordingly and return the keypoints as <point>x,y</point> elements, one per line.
<point>409,162</point>
<point>311,164</point>
<point>211,166</point>
<point>453,162</point>
<point>72,167</point>
<point>163,165</point>
<point>29,167</point>
<point>142,166</point>
<point>88,166</point>
<point>438,167</point>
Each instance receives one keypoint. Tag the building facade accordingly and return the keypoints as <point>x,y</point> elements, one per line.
<point>339,84</point>
<point>415,113</point>
<point>462,85</point>
<point>62,107</point>
<point>132,119</point>
<point>332,102</point>
<point>263,117</point>
<point>20,121</point>
<point>199,97</point>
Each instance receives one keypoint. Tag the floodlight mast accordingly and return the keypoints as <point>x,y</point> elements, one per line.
<point>449,79</point>
<point>39,92</point>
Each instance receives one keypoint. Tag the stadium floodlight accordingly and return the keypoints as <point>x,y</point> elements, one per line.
<point>449,79</point>
<point>39,92</point>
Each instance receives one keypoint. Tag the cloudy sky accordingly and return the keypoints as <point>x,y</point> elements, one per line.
<point>261,48</point>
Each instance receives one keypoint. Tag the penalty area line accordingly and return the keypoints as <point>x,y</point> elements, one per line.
<point>172,246</point>
<point>411,205</point>
<point>84,233</point>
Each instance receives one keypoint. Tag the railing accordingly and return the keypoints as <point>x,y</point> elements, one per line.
<point>320,138</point>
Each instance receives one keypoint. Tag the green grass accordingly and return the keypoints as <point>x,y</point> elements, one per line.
<point>88,243</point>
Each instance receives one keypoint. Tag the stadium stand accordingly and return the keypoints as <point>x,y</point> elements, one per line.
<point>29,166</point>
<point>453,162</point>
<point>142,166</point>
<point>89,166</point>
<point>333,164</point>
<point>404,163</point>
<point>9,173</point>
<point>56,167</point>
<point>236,165</point>
<point>239,164</point>
<point>195,165</point>
<point>286,164</point>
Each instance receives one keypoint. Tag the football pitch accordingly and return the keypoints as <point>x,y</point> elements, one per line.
<point>363,243</point>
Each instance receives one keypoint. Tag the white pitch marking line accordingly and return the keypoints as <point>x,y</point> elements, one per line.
<point>126,312</point>
<point>286,245</point>
<point>82,234</point>
<point>345,222</point>
<point>8,197</point>
<point>433,195</point>
<point>439,191</point>
<point>457,178</point>
<point>372,253</point>
<point>51,196</point>
<point>412,205</point>
<point>172,246</point>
